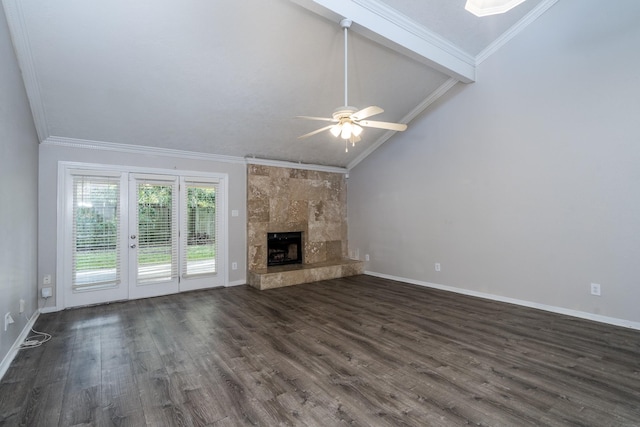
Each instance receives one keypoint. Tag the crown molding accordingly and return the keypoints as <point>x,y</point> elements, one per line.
<point>514,30</point>
<point>22,48</point>
<point>60,141</point>
<point>293,165</point>
<point>433,97</point>
<point>138,149</point>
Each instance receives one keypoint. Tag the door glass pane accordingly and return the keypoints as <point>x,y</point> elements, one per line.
<point>201,229</point>
<point>157,248</point>
<point>96,226</point>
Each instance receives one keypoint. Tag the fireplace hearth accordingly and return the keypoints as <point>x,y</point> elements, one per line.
<point>284,248</point>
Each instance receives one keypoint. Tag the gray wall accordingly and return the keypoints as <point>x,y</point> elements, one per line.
<point>525,184</point>
<point>18,195</point>
<point>51,154</point>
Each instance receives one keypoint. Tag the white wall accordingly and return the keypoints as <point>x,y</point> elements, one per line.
<point>525,184</point>
<point>51,154</point>
<point>18,195</point>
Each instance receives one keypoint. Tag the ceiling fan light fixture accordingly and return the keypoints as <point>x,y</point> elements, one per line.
<point>346,130</point>
<point>335,130</point>
<point>356,130</point>
<point>490,7</point>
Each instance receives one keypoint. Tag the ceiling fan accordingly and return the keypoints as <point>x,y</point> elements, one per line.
<point>348,120</point>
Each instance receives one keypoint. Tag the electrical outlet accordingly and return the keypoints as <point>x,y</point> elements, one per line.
<point>46,280</point>
<point>47,292</point>
<point>21,306</point>
<point>7,321</point>
<point>367,257</point>
<point>595,289</point>
<point>234,265</point>
<point>437,266</point>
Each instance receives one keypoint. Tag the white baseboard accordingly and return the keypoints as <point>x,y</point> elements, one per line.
<point>6,362</point>
<point>560,310</point>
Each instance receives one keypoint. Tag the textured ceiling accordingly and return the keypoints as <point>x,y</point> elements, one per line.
<point>229,77</point>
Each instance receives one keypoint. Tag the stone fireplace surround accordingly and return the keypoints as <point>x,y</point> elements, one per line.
<point>283,199</point>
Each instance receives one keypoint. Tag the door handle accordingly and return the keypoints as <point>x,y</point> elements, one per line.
<point>132,246</point>
<point>133,236</point>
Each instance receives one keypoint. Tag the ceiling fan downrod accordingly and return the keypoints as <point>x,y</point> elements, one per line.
<point>346,24</point>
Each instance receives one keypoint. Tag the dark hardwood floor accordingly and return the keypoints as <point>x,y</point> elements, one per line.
<point>361,350</point>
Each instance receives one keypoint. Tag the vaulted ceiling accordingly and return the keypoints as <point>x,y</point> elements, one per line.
<point>229,77</point>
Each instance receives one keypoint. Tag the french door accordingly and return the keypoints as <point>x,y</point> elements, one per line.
<point>136,235</point>
<point>153,235</point>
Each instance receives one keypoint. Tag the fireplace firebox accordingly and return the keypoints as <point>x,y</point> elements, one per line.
<point>284,248</point>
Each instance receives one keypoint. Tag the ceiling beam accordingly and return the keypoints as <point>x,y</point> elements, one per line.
<point>388,27</point>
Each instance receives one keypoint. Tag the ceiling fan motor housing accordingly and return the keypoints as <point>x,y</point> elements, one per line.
<point>344,112</point>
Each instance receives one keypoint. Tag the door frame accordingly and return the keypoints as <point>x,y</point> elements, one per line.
<point>62,239</point>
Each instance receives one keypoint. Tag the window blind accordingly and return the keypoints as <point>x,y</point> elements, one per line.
<point>95,232</point>
<point>157,223</point>
<point>200,228</point>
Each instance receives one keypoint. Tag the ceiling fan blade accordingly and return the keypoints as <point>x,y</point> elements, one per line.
<point>366,112</point>
<point>324,119</point>
<point>306,135</point>
<point>383,125</point>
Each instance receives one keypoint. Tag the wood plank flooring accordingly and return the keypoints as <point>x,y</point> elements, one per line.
<point>353,351</point>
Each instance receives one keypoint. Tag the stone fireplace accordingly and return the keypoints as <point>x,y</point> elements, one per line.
<point>287,200</point>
